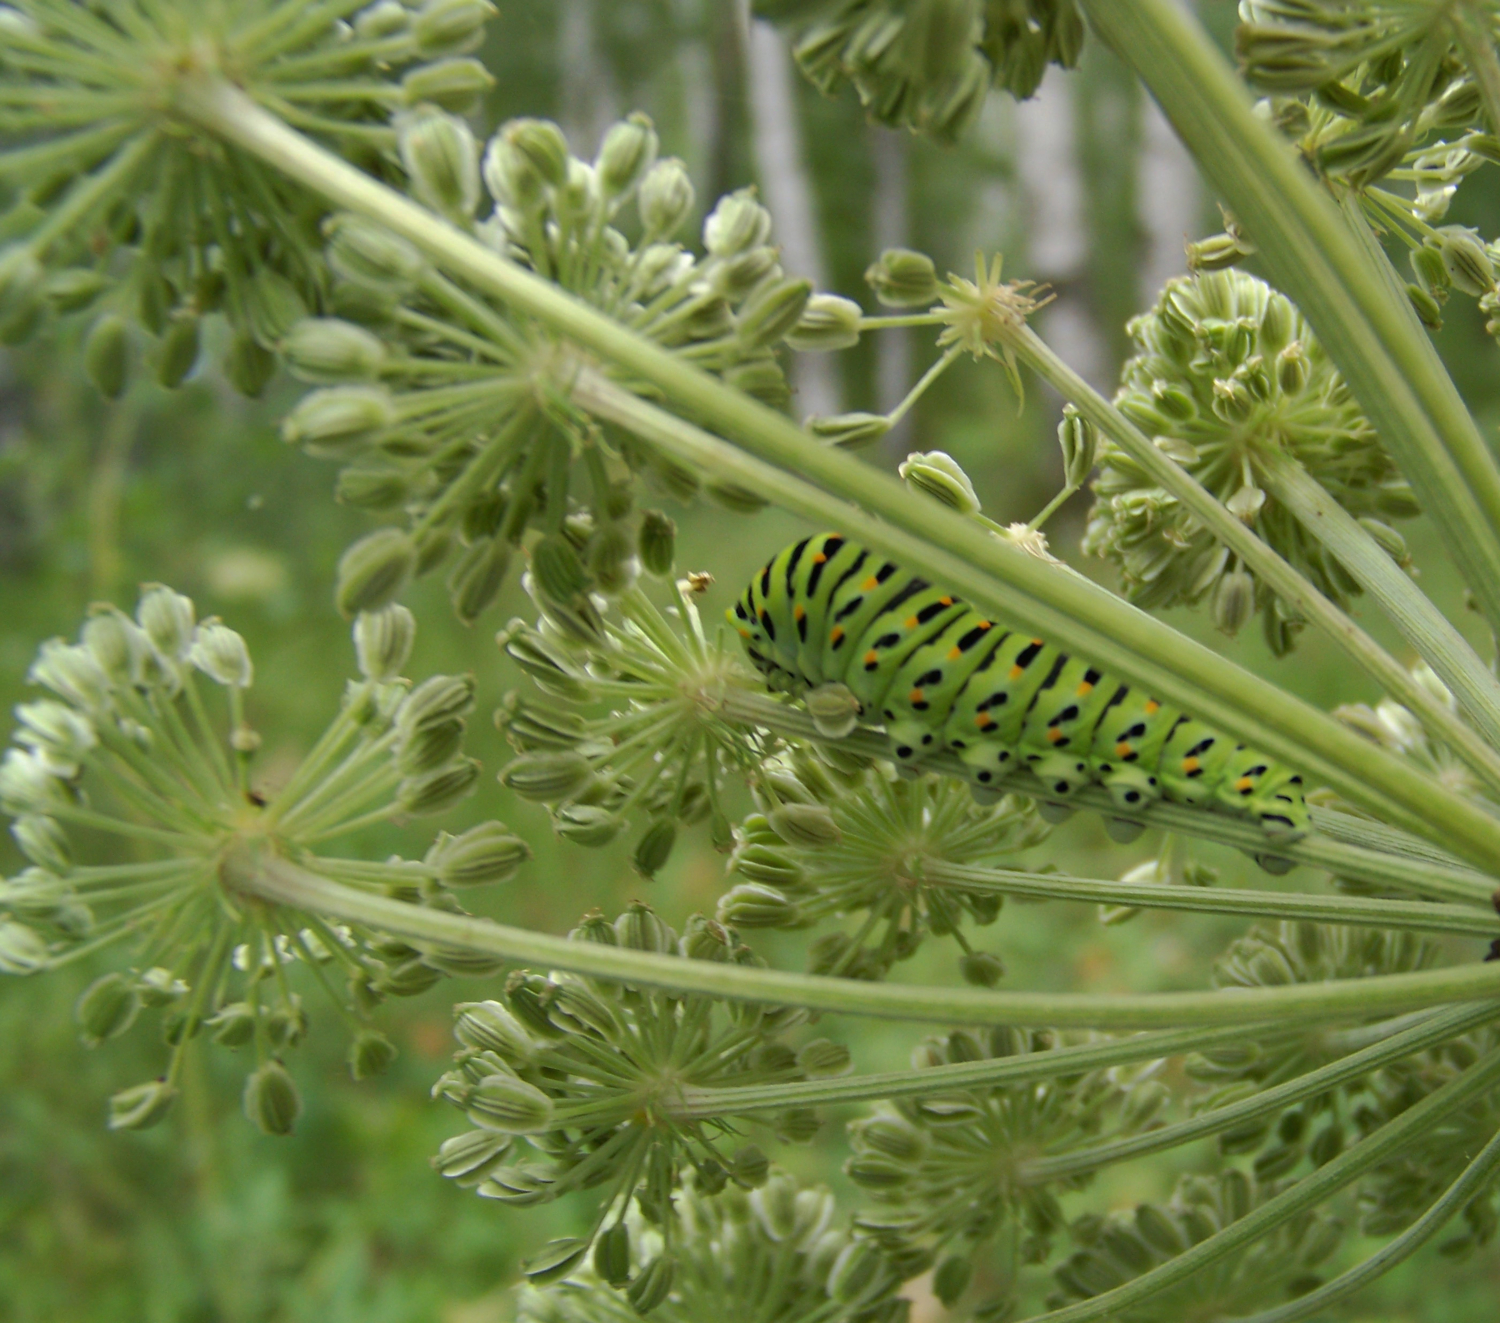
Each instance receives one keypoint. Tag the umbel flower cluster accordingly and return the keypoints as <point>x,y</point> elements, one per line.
<point>874,847</point>
<point>1230,381</point>
<point>743,1258</point>
<point>116,214</point>
<point>128,749</point>
<point>446,408</point>
<point>577,1084</point>
<point>927,64</point>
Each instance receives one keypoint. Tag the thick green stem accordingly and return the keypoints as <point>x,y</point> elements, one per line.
<point>1066,608</point>
<point>1311,254</point>
<point>257,871</point>
<point>1306,1194</point>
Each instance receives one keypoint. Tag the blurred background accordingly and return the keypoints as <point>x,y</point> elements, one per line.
<point>205,1219</point>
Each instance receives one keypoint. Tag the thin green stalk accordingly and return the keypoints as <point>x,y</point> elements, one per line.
<point>1069,610</point>
<point>256,871</point>
<point>1475,1177</point>
<point>1307,1193</point>
<point>1439,1028</point>
<point>1419,621</point>
<point>1311,254</point>
<point>1472,26</point>
<point>1410,915</point>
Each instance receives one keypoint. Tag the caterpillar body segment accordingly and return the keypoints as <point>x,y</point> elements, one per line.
<point>939,675</point>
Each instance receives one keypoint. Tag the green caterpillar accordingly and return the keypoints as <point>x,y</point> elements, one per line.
<point>827,610</point>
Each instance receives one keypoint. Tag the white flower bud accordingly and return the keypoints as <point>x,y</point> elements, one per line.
<point>383,641</point>
<point>22,950</point>
<point>665,198</point>
<point>903,278</point>
<point>328,350</point>
<point>72,673</point>
<point>626,154</point>
<point>60,732</point>
<point>441,159</point>
<point>220,653</point>
<point>373,571</point>
<point>168,619</point>
<point>828,322</point>
<point>455,85</point>
<point>141,1106</point>
<point>737,224</point>
<point>938,475</point>
<point>117,643</point>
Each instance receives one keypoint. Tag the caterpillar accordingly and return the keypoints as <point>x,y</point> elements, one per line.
<point>827,610</point>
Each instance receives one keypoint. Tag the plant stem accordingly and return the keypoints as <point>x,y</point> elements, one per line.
<point>1472,28</point>
<point>1416,617</point>
<point>1391,368</point>
<point>1413,915</point>
<point>1307,1193</point>
<point>256,871</point>
<point>1065,608</point>
<point>1454,1199</point>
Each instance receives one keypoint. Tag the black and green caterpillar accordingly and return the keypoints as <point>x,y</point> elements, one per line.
<point>827,610</point>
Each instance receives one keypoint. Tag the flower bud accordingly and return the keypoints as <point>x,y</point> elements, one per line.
<point>437,700</point>
<point>849,431</point>
<point>367,254</point>
<point>233,1025</point>
<point>43,841</point>
<point>370,1054</point>
<point>374,571</point>
<point>329,350</point>
<point>546,777</point>
<point>951,1279</point>
<point>168,619</point>
<point>75,289</point>
<point>1233,601</point>
<point>117,643</point>
<point>443,27</point>
<point>983,969</point>
<point>573,1008</point>
<point>810,826</point>
<point>1079,440</point>
<point>587,824</point>
<point>435,791</point>
<point>770,313</point>
<point>429,747</point>
<point>177,354</point>
<point>828,322</point>
<point>612,560</point>
<point>1246,503</point>
<point>1465,260</point>
<point>477,579</point>
<point>938,475</point>
<point>656,543</point>
<point>247,365</point>
<point>471,1158</point>
<point>757,905</point>
<point>626,154</point>
<point>1293,368</point>
<point>555,1260</point>
<point>455,85</point>
<point>612,1255</point>
<point>640,928</point>
<point>1218,252</point>
<point>21,282</point>
<point>106,355</point>
<point>655,847</point>
<point>731,495</point>
<point>652,1285</point>
<point>480,856</point>
<point>1430,270</point>
<point>107,1008</point>
<point>141,1106</point>
<point>333,422</point>
<point>1388,539</point>
<point>382,641</point>
<point>737,224</point>
<point>769,864</point>
<point>271,1099</point>
<point>1429,311</point>
<point>822,1059</point>
<point>835,711</point>
<point>441,159</point>
<point>220,653</point>
<point>523,159</point>
<point>902,278</point>
<point>487,1026</point>
<point>665,198</point>
<point>556,569</point>
<point>509,1105</point>
<point>272,306</point>
<point>859,1273</point>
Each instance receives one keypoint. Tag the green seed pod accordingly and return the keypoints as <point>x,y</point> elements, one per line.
<point>834,709</point>
<point>334,422</point>
<point>22,279</point>
<point>574,1009</point>
<point>168,619</point>
<point>822,1059</point>
<point>43,841</point>
<point>612,1255</point>
<point>370,256</point>
<point>652,1285</point>
<point>370,1054</point>
<point>107,1008</point>
<point>1079,441</point>
<point>433,792</point>
<point>587,824</point>
<point>555,1260</point>
<point>858,1274</point>
<point>806,826</point>
<point>951,1279</point>
<point>441,159</point>
<point>75,289</point>
<point>657,543</point>
<point>509,1105</point>
<point>771,312</point>
<point>482,855</point>
<point>374,571</point>
<point>639,928</point>
<point>473,1157</point>
<point>1429,311</point>
<point>612,560</point>
<point>487,1026</point>
<point>757,905</point>
<point>902,278</point>
<point>438,699</point>
<point>372,484</point>
<point>1430,270</point>
<point>938,475</point>
<point>220,653</point>
<point>271,1100</point>
<point>455,85</point>
<point>772,865</point>
<point>1233,601</point>
<point>142,1106</point>
<point>233,1025</point>
<point>626,154</point>
<point>177,354</point>
<point>734,497</point>
<point>983,969</point>
<point>737,224</point>
<point>1293,368</point>
<point>655,847</point>
<point>272,306</point>
<point>478,577</point>
<point>849,431</point>
<point>546,777</point>
<point>1218,252</point>
<point>248,366</point>
<point>327,350</point>
<point>556,569</point>
<point>828,322</point>
<point>383,640</point>
<point>1465,260</point>
<point>664,199</point>
<point>447,27</point>
<point>106,355</point>
<point>1390,541</point>
<point>428,747</point>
